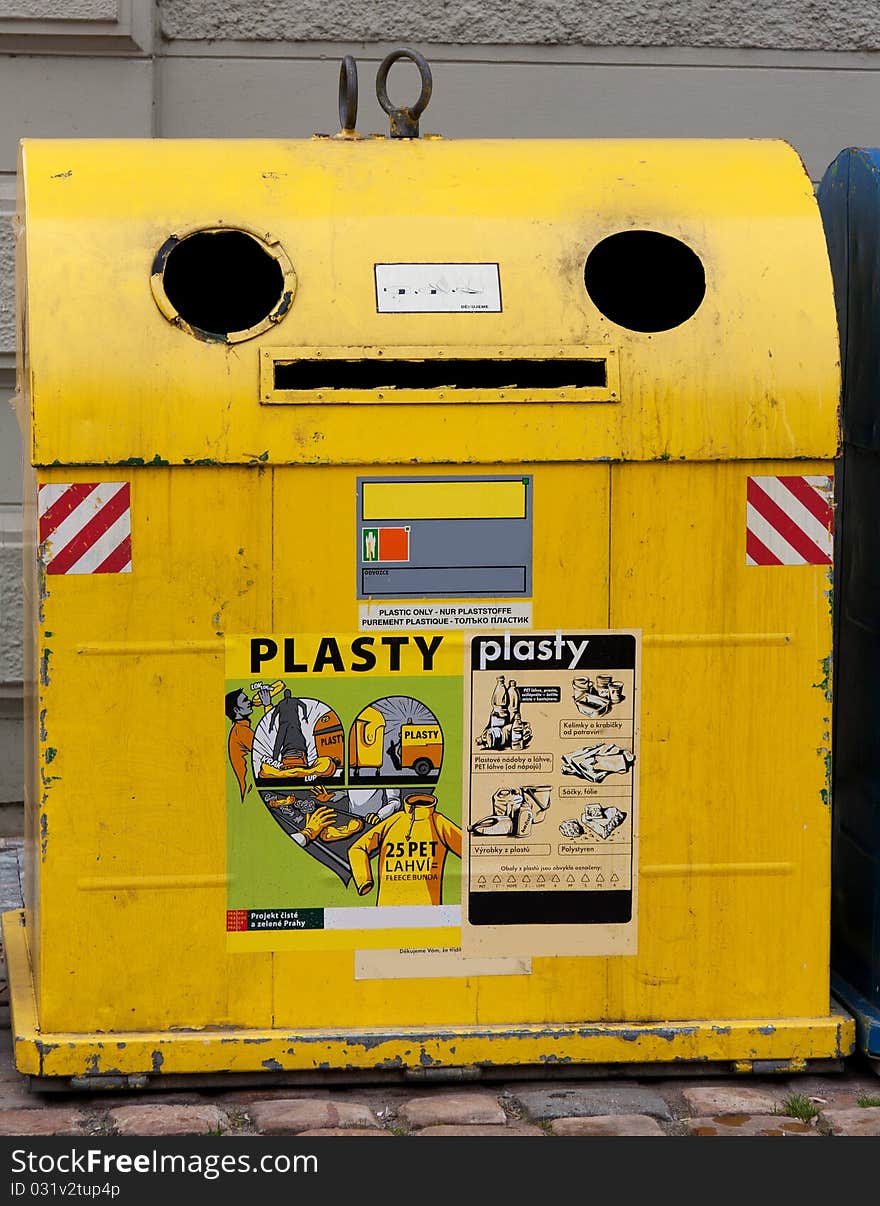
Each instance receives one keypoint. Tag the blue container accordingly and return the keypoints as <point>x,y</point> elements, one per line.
<point>849,200</point>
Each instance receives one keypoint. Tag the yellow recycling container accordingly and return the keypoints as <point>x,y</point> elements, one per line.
<point>514,457</point>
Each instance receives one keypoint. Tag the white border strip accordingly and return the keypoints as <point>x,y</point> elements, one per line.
<point>393,917</point>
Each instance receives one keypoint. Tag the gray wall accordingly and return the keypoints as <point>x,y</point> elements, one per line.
<point>790,25</point>
<point>802,70</point>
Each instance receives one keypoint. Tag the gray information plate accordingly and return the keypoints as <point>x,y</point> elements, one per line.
<point>444,537</point>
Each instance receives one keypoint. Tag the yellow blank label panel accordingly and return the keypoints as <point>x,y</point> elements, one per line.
<point>445,500</point>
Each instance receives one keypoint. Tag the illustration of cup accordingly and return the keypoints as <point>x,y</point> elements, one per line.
<point>591,699</point>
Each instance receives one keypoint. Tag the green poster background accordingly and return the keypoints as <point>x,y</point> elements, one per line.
<point>266,868</point>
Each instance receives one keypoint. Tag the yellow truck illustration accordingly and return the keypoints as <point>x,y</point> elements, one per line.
<point>420,748</point>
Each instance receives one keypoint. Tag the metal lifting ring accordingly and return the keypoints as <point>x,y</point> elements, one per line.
<point>404,121</point>
<point>348,94</point>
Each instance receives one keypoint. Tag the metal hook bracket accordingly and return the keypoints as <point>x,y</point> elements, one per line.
<point>404,121</point>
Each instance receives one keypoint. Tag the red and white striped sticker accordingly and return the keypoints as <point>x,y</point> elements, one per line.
<point>789,521</point>
<point>85,528</point>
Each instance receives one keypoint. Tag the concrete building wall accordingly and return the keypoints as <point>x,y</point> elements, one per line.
<point>67,68</point>
<point>787,25</point>
<point>799,69</point>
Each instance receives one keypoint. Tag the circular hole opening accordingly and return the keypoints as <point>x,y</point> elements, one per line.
<point>644,280</point>
<point>222,281</point>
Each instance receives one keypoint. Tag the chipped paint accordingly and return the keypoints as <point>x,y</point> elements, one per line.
<point>339,1056</point>
<point>133,461</point>
<point>51,753</point>
<point>367,1041</point>
<point>44,835</point>
<point>158,1060</point>
<point>44,667</point>
<point>42,589</point>
<point>824,684</point>
<point>162,255</point>
<point>197,332</point>
<point>825,792</point>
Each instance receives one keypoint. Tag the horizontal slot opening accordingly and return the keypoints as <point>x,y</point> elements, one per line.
<point>376,374</point>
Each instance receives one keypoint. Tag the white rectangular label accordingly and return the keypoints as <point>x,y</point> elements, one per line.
<point>393,917</point>
<point>457,616</point>
<point>438,288</point>
<point>434,963</point>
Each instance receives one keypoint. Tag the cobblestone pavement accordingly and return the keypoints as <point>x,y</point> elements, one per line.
<point>810,1105</point>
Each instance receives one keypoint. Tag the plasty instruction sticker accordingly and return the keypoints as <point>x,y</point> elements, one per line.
<point>474,794</point>
<point>343,782</point>
<point>552,738</point>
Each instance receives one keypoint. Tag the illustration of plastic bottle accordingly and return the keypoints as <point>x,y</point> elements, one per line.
<point>523,822</point>
<point>500,699</point>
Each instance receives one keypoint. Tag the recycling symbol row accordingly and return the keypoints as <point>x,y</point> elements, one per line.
<point>548,882</point>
